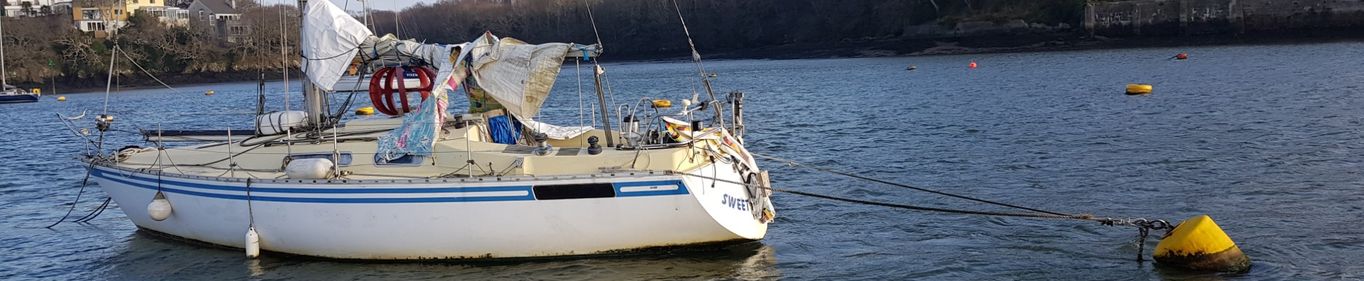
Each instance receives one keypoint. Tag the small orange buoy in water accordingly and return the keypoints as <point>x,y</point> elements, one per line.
<point>1182,56</point>
<point>972,65</point>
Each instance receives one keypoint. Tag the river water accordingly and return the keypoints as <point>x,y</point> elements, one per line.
<point>1265,139</point>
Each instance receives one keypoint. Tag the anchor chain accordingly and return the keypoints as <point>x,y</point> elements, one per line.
<point>1144,228</point>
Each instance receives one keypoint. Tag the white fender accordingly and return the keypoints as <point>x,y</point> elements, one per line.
<point>160,208</point>
<point>252,243</point>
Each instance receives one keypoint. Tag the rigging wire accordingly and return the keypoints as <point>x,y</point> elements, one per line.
<point>593,20</point>
<point>110,82</point>
<point>144,71</point>
<point>284,69</point>
<point>700,69</point>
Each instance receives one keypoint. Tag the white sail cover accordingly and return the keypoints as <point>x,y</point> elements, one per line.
<point>330,38</point>
<point>516,74</point>
<point>519,76</point>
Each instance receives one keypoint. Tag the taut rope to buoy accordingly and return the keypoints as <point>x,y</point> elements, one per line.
<point>1190,253</point>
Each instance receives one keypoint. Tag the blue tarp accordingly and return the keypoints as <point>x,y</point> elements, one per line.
<point>504,130</point>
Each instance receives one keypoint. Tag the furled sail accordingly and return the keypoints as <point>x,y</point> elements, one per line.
<point>390,51</point>
<point>330,38</point>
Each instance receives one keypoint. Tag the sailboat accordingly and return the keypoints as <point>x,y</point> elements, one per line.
<point>430,183</point>
<point>9,93</point>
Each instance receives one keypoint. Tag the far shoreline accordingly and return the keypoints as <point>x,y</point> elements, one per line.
<point>872,48</point>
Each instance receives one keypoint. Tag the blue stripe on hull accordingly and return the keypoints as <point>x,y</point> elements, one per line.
<point>18,98</point>
<point>179,187</point>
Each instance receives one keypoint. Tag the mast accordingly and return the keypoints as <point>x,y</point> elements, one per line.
<point>601,101</point>
<point>312,96</point>
<point>364,10</point>
<point>2,54</point>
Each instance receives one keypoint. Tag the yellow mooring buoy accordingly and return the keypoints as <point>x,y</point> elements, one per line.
<point>61,98</point>
<point>368,110</point>
<point>1138,89</point>
<point>1199,244</point>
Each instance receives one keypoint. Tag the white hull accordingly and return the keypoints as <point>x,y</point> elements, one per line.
<point>444,218</point>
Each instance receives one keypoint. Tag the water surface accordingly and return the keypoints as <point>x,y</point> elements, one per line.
<point>1266,139</point>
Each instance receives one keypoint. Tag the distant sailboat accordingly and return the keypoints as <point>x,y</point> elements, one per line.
<point>11,94</point>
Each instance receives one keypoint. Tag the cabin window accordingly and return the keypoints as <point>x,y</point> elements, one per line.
<point>405,160</point>
<point>574,191</point>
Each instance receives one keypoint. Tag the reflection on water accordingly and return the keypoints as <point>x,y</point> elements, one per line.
<point>149,256</point>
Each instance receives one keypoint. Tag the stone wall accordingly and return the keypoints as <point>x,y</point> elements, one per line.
<point>1194,17</point>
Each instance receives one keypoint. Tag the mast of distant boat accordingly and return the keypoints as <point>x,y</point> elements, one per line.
<point>2,54</point>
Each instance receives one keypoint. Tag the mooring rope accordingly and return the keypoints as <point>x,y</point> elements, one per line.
<point>861,177</point>
<point>1144,226</point>
<point>84,183</point>
<point>94,213</point>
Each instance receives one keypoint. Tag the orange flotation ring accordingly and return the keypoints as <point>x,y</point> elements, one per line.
<point>382,88</point>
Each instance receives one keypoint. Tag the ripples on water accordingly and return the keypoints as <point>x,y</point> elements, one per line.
<point>1263,138</point>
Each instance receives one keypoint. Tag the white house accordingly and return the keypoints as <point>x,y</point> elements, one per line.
<point>169,15</point>
<point>29,8</point>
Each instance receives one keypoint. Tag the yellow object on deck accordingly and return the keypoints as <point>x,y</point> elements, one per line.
<point>61,98</point>
<point>1138,89</point>
<point>1199,244</point>
<point>368,110</point>
<point>662,103</point>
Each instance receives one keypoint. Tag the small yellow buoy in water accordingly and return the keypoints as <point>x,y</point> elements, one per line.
<point>252,243</point>
<point>61,98</point>
<point>662,103</point>
<point>208,93</point>
<point>1199,244</point>
<point>1138,89</point>
<point>368,110</point>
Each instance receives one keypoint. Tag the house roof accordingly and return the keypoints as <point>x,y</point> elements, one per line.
<point>218,6</point>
